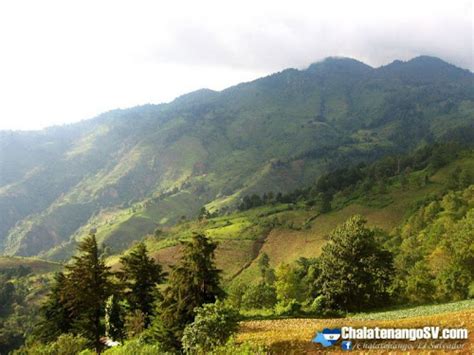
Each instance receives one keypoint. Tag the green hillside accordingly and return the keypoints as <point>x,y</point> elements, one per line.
<point>128,172</point>
<point>24,284</point>
<point>396,194</point>
<point>289,231</point>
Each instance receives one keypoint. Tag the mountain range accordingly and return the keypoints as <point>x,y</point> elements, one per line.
<point>128,173</point>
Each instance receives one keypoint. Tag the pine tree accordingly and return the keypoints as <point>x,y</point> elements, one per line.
<point>87,289</point>
<point>141,274</point>
<point>55,317</point>
<point>355,271</point>
<point>193,282</point>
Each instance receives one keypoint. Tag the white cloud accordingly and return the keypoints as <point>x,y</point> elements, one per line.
<point>62,61</point>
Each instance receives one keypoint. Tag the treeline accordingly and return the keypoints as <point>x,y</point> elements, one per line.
<point>186,310</point>
<point>90,306</point>
<point>16,314</point>
<point>365,177</point>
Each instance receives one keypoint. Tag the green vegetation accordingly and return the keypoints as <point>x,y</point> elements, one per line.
<point>194,281</point>
<point>77,300</point>
<point>114,319</point>
<point>435,255</point>
<point>23,284</point>
<point>89,301</point>
<point>140,274</point>
<point>288,231</point>
<point>213,324</point>
<point>355,273</point>
<point>65,344</point>
<point>56,318</point>
<point>274,283</point>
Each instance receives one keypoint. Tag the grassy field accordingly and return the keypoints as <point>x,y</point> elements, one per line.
<point>293,336</point>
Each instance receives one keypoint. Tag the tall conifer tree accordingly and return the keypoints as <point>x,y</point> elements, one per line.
<point>193,282</point>
<point>141,274</point>
<point>87,290</point>
<point>55,317</point>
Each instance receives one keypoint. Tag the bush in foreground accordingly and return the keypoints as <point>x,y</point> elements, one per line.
<point>289,308</point>
<point>65,344</point>
<point>135,347</point>
<point>213,325</point>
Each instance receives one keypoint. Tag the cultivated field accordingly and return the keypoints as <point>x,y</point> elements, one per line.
<point>293,336</point>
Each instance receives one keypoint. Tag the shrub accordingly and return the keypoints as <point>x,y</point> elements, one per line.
<point>65,344</point>
<point>261,295</point>
<point>69,344</point>
<point>289,308</point>
<point>235,294</point>
<point>287,283</point>
<point>318,306</point>
<point>213,324</point>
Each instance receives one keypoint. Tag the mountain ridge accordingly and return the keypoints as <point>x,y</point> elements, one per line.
<point>206,91</point>
<point>212,148</point>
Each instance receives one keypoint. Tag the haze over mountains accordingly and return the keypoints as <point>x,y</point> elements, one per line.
<point>127,172</point>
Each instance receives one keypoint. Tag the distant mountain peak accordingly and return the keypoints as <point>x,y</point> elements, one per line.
<point>422,60</point>
<point>425,69</point>
<point>339,64</point>
<point>426,59</point>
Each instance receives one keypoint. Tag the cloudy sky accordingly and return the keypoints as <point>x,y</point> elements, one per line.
<point>63,61</point>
